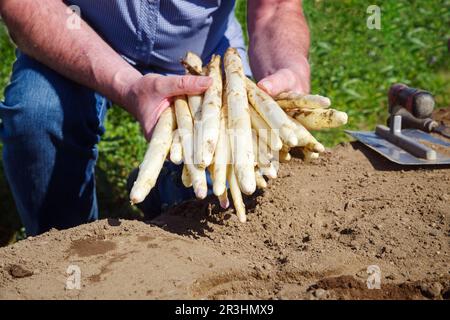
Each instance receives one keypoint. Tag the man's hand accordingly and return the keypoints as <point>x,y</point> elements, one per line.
<point>278,46</point>
<point>150,95</point>
<point>295,78</point>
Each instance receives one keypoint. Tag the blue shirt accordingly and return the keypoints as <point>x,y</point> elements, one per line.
<point>154,35</point>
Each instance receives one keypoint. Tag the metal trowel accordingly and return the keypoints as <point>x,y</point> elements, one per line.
<point>406,147</point>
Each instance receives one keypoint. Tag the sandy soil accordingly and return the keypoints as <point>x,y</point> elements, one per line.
<point>311,234</point>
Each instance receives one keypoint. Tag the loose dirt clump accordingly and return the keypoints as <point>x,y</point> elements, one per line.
<point>312,234</point>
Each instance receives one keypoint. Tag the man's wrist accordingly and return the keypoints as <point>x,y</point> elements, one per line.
<point>122,82</point>
<point>299,65</point>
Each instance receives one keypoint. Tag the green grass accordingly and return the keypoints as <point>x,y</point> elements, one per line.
<point>355,66</point>
<point>351,64</point>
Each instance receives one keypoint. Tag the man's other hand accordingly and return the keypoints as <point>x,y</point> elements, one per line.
<point>150,95</point>
<point>295,78</point>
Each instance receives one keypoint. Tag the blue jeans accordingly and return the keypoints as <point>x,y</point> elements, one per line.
<point>50,130</point>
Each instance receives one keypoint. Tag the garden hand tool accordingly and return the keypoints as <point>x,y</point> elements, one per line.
<point>426,124</point>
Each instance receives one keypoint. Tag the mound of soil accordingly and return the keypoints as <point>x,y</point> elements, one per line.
<point>312,234</point>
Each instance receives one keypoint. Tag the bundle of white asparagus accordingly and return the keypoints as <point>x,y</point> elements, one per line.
<point>234,130</point>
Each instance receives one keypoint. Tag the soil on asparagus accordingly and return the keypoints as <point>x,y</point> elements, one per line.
<point>312,234</point>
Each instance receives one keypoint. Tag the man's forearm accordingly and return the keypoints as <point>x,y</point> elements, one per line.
<point>39,29</point>
<point>279,36</point>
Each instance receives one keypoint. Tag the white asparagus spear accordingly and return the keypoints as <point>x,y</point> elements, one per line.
<point>236,194</point>
<point>260,181</point>
<point>239,122</point>
<point>261,152</point>
<point>309,155</point>
<point>197,136</point>
<point>176,153</point>
<point>157,151</point>
<point>185,130</point>
<point>270,171</point>
<point>210,115</point>
<point>294,100</point>
<point>276,166</point>
<point>255,152</point>
<point>195,101</point>
<point>269,135</point>
<point>285,157</point>
<point>316,148</point>
<point>305,138</point>
<point>285,148</point>
<point>271,112</point>
<point>218,169</point>
<point>193,65</point>
<point>316,119</point>
<point>221,156</point>
<point>186,177</point>
<point>221,161</point>
<point>223,200</point>
<point>223,197</point>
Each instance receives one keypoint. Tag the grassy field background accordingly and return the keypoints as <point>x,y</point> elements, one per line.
<point>351,64</point>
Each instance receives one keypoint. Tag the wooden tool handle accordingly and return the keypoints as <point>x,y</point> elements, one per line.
<point>419,102</point>
<point>409,121</point>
